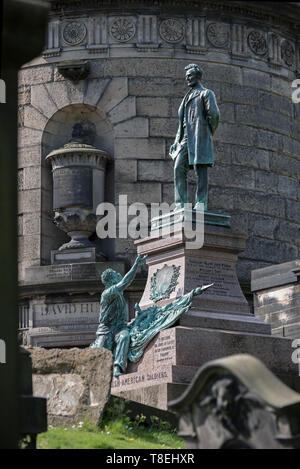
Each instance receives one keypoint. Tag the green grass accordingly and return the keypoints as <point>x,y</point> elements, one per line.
<point>113,433</point>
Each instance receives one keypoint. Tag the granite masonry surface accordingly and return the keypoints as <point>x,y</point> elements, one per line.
<point>277,297</point>
<point>75,382</point>
<point>172,359</point>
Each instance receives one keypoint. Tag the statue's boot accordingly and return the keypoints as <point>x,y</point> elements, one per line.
<point>117,370</point>
<point>200,206</point>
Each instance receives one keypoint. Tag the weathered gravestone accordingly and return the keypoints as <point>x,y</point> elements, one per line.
<point>76,382</point>
<point>237,403</point>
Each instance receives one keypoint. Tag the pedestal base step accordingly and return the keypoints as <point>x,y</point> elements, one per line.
<point>225,322</point>
<point>157,395</point>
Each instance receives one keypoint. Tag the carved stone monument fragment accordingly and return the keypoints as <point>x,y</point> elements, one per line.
<point>237,403</point>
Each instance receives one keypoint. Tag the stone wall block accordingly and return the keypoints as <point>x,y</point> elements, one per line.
<point>36,75</point>
<point>239,94</point>
<point>113,94</point>
<point>275,252</point>
<point>94,90</point>
<point>220,197</point>
<point>235,176</point>
<point>156,87</point>
<point>291,146</point>
<point>264,226</point>
<point>59,94</point>
<point>42,101</point>
<point>29,156</point>
<point>24,95</point>
<point>140,192</point>
<point>274,102</point>
<point>256,78</point>
<point>34,118</point>
<point>29,247</point>
<point>281,86</point>
<point>258,202</point>
<point>227,112</point>
<point>29,137</point>
<point>289,187</point>
<point>223,73</point>
<point>31,224</point>
<point>125,170</point>
<point>160,127</point>
<point>263,119</point>
<point>123,111</point>
<point>266,181</point>
<point>284,165</point>
<point>153,107</point>
<point>32,177</point>
<point>287,231</point>
<point>29,201</point>
<point>161,171</point>
<point>250,156</point>
<point>293,211</point>
<point>247,135</point>
<point>152,148</point>
<point>135,127</point>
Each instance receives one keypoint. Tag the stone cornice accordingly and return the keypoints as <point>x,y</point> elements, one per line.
<point>275,12</point>
<point>133,33</point>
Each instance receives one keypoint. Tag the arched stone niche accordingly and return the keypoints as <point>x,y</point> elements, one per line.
<point>56,134</point>
<point>58,130</point>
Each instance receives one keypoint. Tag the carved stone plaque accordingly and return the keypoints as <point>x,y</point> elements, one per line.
<point>163,282</point>
<point>221,274</point>
<point>74,315</point>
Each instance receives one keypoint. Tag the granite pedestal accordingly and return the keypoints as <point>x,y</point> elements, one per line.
<point>174,356</point>
<point>215,262</point>
<point>218,324</point>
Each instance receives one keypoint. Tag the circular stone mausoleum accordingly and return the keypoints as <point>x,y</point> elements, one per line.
<point>117,67</point>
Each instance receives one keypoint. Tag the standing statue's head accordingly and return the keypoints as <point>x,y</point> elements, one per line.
<point>110,277</point>
<point>193,75</point>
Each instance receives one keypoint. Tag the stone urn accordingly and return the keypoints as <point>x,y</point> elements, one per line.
<point>78,170</point>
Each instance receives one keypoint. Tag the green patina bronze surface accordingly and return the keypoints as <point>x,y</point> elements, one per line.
<point>198,120</point>
<point>128,341</point>
<point>154,319</point>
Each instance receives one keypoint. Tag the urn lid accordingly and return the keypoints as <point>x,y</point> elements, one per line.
<point>79,144</point>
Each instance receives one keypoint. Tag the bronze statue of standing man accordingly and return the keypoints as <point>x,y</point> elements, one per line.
<point>193,148</point>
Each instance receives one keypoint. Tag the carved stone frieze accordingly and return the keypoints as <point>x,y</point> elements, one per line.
<point>153,33</point>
